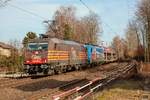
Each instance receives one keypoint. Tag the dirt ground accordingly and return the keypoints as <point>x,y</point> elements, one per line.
<point>28,87</point>
<point>125,89</point>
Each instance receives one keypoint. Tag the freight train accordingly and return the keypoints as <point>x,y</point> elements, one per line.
<point>53,55</point>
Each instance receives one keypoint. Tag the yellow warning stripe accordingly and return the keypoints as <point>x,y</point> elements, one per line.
<point>82,55</point>
<point>63,55</point>
<point>54,53</point>
<point>57,57</point>
<point>57,51</point>
<point>83,58</point>
<point>58,54</point>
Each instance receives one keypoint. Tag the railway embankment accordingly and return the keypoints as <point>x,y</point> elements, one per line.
<point>102,82</point>
<point>144,69</point>
<point>125,89</point>
<point>27,88</point>
<point>132,86</point>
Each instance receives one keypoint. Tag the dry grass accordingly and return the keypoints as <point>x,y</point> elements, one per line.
<point>131,89</point>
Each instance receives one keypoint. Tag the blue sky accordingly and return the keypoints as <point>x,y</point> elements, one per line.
<point>15,23</point>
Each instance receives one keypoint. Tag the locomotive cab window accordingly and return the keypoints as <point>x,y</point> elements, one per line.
<point>37,46</point>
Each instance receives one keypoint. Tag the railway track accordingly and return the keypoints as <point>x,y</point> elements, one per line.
<point>72,86</point>
<point>81,84</point>
<point>13,80</point>
<point>64,86</point>
<point>83,92</point>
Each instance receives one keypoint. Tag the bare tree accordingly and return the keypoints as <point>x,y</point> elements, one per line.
<point>67,26</point>
<point>119,45</point>
<point>64,19</point>
<point>132,39</point>
<point>143,17</point>
<point>14,62</point>
<point>91,24</point>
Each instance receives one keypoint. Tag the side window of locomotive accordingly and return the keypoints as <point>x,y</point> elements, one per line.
<point>43,46</point>
<point>32,46</point>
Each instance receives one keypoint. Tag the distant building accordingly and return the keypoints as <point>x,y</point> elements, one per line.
<point>5,49</point>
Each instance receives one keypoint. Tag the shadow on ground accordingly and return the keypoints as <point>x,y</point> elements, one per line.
<point>43,84</point>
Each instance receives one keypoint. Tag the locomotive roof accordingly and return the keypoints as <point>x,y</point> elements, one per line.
<point>38,40</point>
<point>94,45</point>
<point>55,40</point>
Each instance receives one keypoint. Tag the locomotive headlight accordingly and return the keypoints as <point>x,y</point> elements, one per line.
<point>27,61</point>
<point>36,52</point>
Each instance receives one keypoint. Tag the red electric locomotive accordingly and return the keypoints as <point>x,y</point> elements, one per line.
<point>53,55</point>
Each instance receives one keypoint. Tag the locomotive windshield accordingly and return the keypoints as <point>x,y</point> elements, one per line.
<point>37,46</point>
